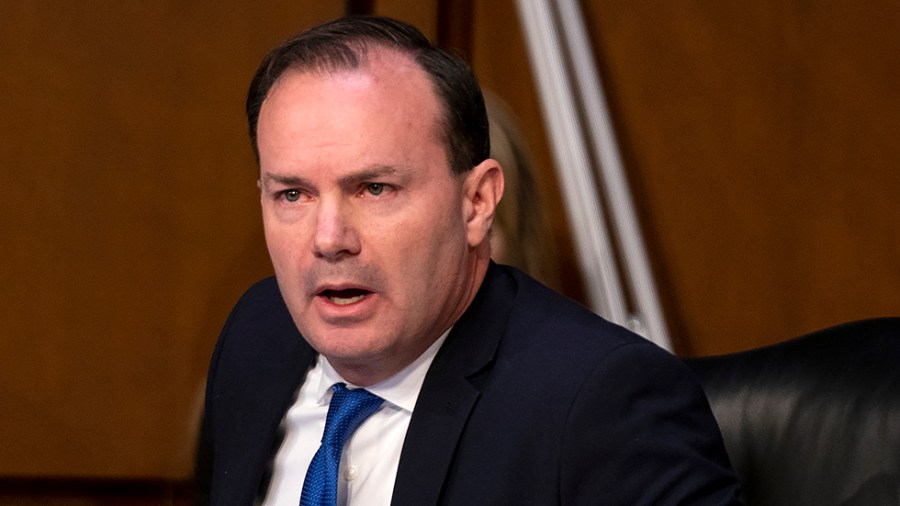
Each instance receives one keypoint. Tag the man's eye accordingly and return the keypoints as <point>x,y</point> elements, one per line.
<point>291,195</point>
<point>375,189</point>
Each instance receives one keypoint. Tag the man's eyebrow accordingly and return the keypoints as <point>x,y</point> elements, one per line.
<point>282,180</point>
<point>369,174</point>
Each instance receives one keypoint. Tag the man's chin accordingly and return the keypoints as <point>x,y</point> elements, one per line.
<point>354,349</point>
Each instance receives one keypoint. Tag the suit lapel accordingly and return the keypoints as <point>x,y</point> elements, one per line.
<point>451,391</point>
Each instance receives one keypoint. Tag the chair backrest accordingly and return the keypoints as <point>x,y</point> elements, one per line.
<point>814,420</point>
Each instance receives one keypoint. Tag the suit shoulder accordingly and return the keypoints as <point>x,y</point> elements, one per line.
<point>260,296</point>
<point>259,324</point>
<point>546,314</point>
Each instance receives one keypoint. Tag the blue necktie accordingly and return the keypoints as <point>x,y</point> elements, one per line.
<point>346,412</point>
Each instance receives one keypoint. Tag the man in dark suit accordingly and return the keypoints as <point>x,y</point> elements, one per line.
<point>486,388</point>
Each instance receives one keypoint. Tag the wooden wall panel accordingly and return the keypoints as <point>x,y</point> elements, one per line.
<point>760,139</point>
<point>762,142</point>
<point>129,223</point>
<point>421,13</point>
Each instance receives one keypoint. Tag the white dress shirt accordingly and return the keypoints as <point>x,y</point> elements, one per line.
<point>370,459</point>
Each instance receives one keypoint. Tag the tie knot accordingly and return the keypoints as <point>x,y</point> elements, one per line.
<point>346,412</point>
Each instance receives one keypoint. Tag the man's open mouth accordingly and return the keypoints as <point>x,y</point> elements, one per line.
<point>344,297</point>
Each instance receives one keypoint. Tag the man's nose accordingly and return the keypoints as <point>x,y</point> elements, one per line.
<point>335,236</point>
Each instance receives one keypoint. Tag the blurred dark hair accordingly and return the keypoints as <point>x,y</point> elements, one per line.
<point>344,43</point>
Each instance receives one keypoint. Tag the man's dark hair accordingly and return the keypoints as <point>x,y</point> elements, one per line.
<point>344,43</point>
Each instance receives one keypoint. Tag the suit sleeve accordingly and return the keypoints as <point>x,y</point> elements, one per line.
<point>641,426</point>
<point>204,456</point>
<point>205,453</point>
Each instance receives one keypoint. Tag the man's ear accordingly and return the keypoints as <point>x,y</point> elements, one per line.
<point>482,191</point>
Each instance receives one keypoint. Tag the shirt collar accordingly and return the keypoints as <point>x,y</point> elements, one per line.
<point>401,389</point>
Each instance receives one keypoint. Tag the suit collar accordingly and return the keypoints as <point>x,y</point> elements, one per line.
<point>451,390</point>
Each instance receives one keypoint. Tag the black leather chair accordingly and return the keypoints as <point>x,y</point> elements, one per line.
<point>814,420</point>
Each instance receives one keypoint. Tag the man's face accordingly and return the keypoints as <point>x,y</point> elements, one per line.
<point>369,231</point>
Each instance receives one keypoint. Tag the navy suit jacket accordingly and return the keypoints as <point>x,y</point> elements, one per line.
<point>532,399</point>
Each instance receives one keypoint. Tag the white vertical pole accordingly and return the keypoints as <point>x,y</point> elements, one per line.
<point>649,319</point>
<point>593,241</point>
<point>590,233</point>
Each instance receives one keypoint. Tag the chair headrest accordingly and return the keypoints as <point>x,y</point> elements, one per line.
<point>814,420</point>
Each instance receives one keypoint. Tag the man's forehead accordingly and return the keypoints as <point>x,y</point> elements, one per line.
<point>387,93</point>
<point>340,98</point>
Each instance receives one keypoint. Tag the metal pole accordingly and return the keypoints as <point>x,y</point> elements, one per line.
<point>569,142</point>
<point>649,319</point>
<point>589,230</point>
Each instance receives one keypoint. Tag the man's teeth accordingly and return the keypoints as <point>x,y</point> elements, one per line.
<point>345,300</point>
